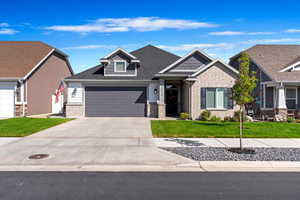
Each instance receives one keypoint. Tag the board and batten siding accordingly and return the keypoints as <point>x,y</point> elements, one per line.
<point>152,97</point>
<point>75,93</point>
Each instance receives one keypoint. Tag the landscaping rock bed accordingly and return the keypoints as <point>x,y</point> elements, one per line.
<point>222,154</point>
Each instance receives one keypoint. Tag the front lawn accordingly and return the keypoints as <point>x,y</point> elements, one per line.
<point>190,129</point>
<point>19,127</point>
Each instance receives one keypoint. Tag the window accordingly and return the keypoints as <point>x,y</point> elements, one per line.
<point>18,93</point>
<point>291,98</point>
<point>216,98</point>
<point>120,66</point>
<point>25,92</point>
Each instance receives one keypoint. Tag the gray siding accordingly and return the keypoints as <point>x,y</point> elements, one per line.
<point>192,62</point>
<point>109,68</point>
<point>115,101</point>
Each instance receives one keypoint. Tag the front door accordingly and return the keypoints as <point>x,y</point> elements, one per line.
<point>171,100</point>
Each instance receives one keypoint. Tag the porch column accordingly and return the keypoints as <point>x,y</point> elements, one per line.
<point>281,108</point>
<point>281,103</point>
<point>161,106</point>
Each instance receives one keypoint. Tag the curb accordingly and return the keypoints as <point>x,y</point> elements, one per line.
<point>203,166</point>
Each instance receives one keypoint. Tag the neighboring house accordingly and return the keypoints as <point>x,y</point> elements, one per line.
<point>278,71</point>
<point>30,73</point>
<point>151,82</point>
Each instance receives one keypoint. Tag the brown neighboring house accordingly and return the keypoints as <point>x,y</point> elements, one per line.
<point>278,71</point>
<point>30,73</point>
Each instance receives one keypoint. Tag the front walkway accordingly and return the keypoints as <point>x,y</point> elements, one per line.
<point>227,142</point>
<point>90,141</point>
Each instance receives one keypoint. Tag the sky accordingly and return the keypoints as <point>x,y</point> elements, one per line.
<point>88,30</point>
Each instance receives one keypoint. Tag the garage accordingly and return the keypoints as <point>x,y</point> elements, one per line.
<point>7,102</point>
<point>115,101</point>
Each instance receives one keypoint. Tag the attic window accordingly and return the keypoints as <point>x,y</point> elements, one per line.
<point>120,66</point>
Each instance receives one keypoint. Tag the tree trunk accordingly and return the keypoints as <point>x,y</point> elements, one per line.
<point>241,127</point>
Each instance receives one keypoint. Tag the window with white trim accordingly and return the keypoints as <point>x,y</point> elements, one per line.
<point>120,66</point>
<point>215,98</point>
<point>291,98</point>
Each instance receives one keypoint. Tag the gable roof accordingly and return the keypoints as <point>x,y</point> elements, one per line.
<point>184,58</point>
<point>19,58</point>
<point>119,50</point>
<point>152,60</point>
<point>274,58</point>
<point>212,64</point>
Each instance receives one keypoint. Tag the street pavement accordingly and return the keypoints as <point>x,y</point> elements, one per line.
<point>144,186</point>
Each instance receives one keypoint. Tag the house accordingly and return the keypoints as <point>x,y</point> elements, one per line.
<point>277,69</point>
<point>151,82</point>
<point>30,73</point>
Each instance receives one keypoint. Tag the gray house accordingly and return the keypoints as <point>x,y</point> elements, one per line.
<point>151,82</point>
<point>278,72</point>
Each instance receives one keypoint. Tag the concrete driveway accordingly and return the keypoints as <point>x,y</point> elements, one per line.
<point>91,141</point>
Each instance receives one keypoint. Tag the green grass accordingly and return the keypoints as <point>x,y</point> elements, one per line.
<point>190,129</point>
<point>20,127</point>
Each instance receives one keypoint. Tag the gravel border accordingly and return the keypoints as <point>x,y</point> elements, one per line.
<point>222,154</point>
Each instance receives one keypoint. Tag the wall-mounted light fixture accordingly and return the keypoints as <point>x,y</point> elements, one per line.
<point>155,91</point>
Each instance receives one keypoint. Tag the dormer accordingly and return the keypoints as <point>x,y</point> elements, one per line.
<point>120,63</point>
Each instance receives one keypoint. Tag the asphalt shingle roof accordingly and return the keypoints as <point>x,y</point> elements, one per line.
<point>17,58</point>
<point>152,60</point>
<point>273,58</point>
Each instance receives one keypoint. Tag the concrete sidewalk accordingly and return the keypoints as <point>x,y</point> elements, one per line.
<point>226,142</point>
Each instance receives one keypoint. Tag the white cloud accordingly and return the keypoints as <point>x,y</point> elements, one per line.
<point>292,30</point>
<point>189,47</point>
<point>233,33</point>
<point>7,31</point>
<point>3,24</point>
<point>278,40</point>
<point>132,24</point>
<point>92,46</point>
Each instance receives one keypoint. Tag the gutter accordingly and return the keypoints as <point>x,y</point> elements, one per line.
<point>101,80</point>
<point>16,79</point>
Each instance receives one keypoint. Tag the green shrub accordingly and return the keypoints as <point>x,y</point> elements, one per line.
<point>291,120</point>
<point>215,119</point>
<point>184,116</point>
<point>205,115</point>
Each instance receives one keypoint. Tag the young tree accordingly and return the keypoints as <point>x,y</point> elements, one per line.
<point>243,88</point>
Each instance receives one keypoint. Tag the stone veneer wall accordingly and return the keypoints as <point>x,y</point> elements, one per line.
<point>74,110</point>
<point>19,110</point>
<point>152,110</point>
<point>161,110</point>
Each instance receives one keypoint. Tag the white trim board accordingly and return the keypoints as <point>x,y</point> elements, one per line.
<point>122,50</point>
<point>211,64</point>
<point>183,58</point>
<point>37,65</point>
<point>290,67</point>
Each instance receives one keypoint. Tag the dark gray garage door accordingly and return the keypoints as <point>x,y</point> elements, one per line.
<point>115,101</point>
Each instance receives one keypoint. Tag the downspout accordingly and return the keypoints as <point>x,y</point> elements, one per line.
<point>190,98</point>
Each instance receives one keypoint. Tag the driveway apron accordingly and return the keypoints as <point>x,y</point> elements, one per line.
<point>91,141</point>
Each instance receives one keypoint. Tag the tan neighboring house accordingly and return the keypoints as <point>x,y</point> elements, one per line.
<point>278,72</point>
<point>30,73</point>
<point>151,82</point>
